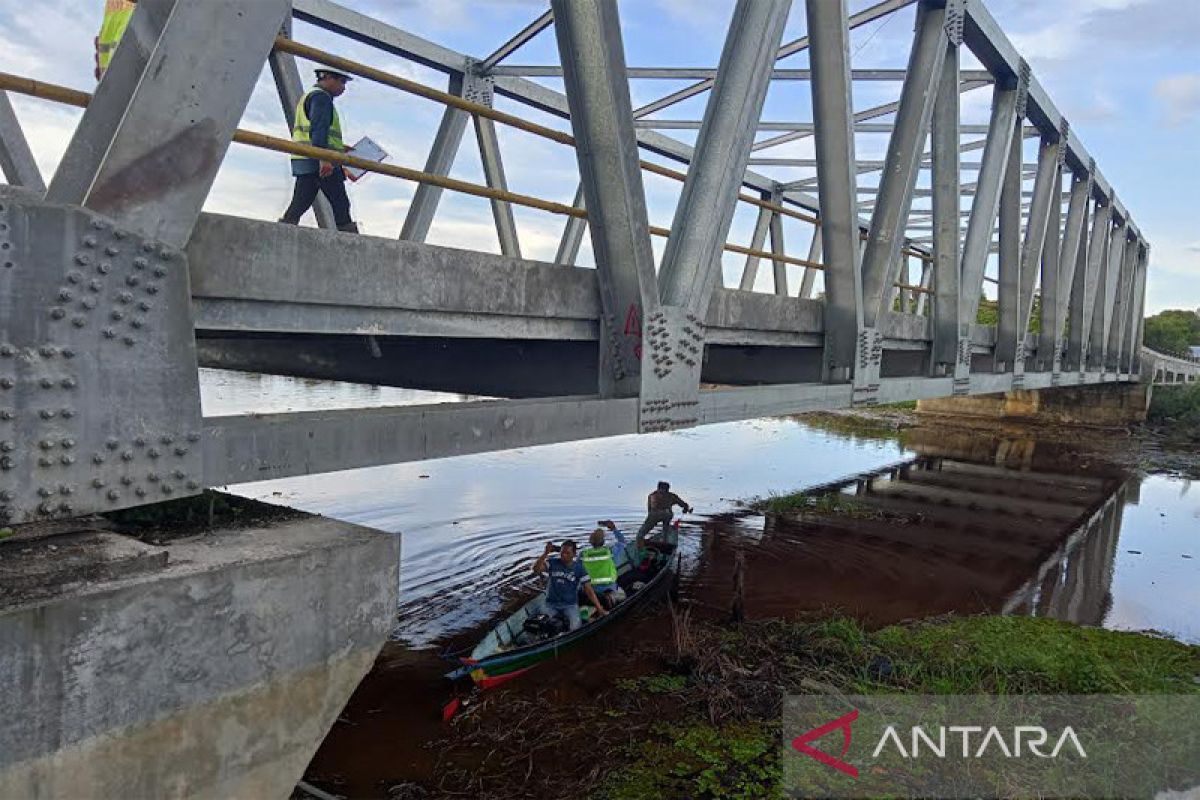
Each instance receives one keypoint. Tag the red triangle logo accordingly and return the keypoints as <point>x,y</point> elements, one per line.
<point>801,743</point>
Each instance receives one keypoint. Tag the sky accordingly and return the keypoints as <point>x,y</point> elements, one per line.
<point>1126,73</point>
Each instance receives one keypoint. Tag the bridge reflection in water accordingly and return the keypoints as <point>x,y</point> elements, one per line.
<point>969,525</point>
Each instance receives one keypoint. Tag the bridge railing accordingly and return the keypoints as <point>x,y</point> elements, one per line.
<point>649,340</point>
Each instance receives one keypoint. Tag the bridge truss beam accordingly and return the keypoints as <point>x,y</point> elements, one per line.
<point>117,423</point>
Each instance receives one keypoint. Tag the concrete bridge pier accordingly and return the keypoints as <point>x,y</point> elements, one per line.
<point>212,666</point>
<point>1103,405</point>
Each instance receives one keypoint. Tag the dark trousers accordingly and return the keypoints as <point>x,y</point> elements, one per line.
<point>660,517</point>
<point>305,194</point>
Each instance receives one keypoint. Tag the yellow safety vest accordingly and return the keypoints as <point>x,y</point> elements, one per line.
<point>302,128</point>
<point>598,562</point>
<point>117,14</point>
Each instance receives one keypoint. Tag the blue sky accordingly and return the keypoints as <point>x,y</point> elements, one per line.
<point>1126,73</point>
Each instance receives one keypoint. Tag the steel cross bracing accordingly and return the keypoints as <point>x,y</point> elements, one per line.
<point>114,287</point>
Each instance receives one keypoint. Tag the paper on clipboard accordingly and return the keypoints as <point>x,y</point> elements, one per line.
<point>365,148</point>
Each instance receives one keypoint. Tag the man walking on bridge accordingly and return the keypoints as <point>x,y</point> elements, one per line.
<point>317,124</point>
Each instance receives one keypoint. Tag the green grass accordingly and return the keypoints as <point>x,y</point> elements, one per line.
<point>739,756</point>
<point>830,503</point>
<point>655,684</point>
<point>739,760</point>
<point>1026,655</point>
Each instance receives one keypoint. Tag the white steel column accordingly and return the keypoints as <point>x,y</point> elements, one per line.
<point>165,152</point>
<point>692,258</point>
<point>1054,319</point>
<point>16,159</point>
<point>446,143</point>
<point>761,226</point>
<point>81,162</point>
<point>593,58</point>
<point>905,148</point>
<point>1097,252</point>
<point>1008,291</point>
<point>947,222</point>
<point>986,204</point>
<point>810,273</point>
<point>833,106</point>
<point>1121,304</point>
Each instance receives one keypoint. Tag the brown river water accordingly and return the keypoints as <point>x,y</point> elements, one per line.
<point>962,522</point>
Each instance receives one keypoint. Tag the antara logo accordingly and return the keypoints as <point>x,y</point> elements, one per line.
<point>1031,739</point>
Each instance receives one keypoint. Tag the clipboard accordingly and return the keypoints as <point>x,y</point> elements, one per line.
<point>365,148</point>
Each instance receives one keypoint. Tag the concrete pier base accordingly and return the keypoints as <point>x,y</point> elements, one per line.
<point>209,667</point>
<point>1104,405</point>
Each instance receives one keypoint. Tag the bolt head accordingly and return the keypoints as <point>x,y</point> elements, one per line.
<point>153,452</point>
<point>113,494</point>
<point>160,271</point>
<point>140,263</point>
<point>65,490</point>
<point>140,492</point>
<point>111,443</point>
<point>7,463</point>
<point>144,306</point>
<point>125,297</point>
<point>117,314</point>
<point>97,459</point>
<point>136,323</point>
<point>104,268</point>
<point>7,447</point>
<point>68,443</point>
<point>6,383</point>
<point>74,276</point>
<point>68,352</point>
<point>7,414</point>
<point>58,313</point>
<point>44,492</point>
<point>179,474</point>
<point>83,259</point>
<point>67,460</point>
<point>78,322</point>
<point>66,413</point>
<point>6,497</point>
<point>166,489</point>
<point>45,444</point>
<point>45,461</point>
<point>129,341</point>
<point>109,333</point>
<point>127,455</point>
<point>46,383</point>
<point>193,485</point>
<point>193,437</point>
<point>46,508</point>
<point>68,383</point>
<point>152,477</point>
<point>46,413</point>
<point>112,250</point>
<point>95,285</point>
<point>126,480</point>
<point>64,294</point>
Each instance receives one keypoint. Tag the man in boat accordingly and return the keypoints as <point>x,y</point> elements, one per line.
<point>660,508</point>
<point>567,576</point>
<point>601,564</point>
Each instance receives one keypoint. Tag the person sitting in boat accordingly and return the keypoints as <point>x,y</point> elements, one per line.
<point>660,508</point>
<point>567,577</point>
<point>601,564</point>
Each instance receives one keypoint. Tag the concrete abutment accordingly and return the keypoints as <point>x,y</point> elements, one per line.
<point>1105,405</point>
<point>212,666</point>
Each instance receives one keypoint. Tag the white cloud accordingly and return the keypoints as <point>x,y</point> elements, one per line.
<point>1180,97</point>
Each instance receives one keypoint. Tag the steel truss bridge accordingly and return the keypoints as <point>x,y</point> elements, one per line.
<point>114,287</point>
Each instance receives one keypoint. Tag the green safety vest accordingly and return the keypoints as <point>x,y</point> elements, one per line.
<point>302,128</point>
<point>117,14</point>
<point>598,562</point>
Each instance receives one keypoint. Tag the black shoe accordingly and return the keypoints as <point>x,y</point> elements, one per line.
<point>349,227</point>
<point>285,222</point>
